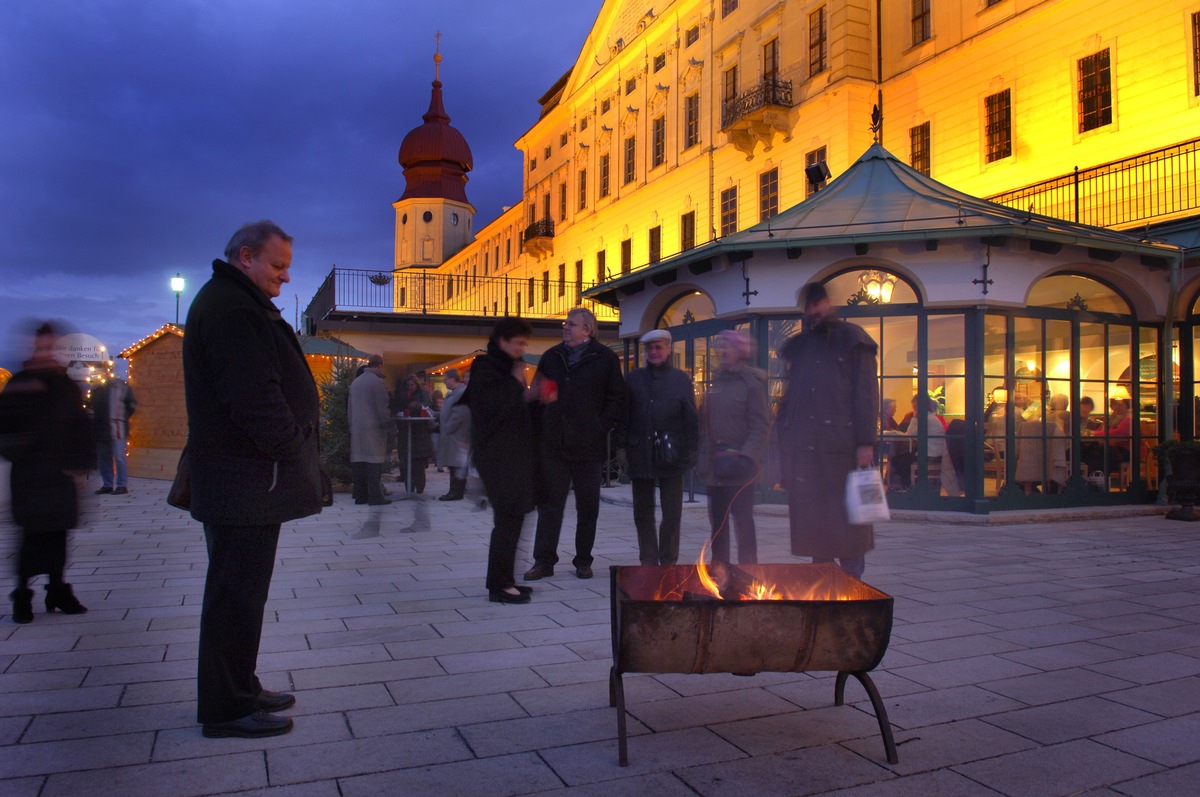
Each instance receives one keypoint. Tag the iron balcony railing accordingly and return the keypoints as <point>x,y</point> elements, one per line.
<point>543,228</point>
<point>771,91</point>
<point>1141,189</point>
<point>419,292</point>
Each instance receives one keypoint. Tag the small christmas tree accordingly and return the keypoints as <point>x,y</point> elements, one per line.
<point>335,421</point>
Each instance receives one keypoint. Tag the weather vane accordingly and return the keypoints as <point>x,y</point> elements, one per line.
<point>876,121</point>
<point>437,54</point>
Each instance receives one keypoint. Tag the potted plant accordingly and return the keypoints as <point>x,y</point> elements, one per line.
<point>1184,479</point>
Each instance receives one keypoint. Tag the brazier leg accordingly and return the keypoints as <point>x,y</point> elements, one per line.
<point>885,726</point>
<point>616,697</point>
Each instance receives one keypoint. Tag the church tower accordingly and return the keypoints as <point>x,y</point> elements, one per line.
<point>433,216</point>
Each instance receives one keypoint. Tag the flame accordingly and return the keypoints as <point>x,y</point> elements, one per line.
<point>758,591</point>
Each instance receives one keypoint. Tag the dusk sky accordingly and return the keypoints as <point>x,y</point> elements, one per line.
<point>137,135</point>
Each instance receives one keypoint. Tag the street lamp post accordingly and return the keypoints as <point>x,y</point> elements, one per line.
<point>177,286</point>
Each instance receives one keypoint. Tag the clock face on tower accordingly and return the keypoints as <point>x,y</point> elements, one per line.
<point>454,219</point>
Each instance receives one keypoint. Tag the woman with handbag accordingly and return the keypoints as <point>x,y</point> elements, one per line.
<point>660,439</point>
<point>735,420</point>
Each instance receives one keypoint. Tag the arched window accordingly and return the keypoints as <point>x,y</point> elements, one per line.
<point>1076,292</point>
<point>687,309</point>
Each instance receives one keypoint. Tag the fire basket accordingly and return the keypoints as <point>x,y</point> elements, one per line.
<point>745,620</point>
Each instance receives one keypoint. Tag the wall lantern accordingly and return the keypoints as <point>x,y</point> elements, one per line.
<point>877,286</point>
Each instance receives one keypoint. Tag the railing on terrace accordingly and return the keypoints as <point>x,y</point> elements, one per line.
<point>1141,189</point>
<point>419,292</point>
<point>771,91</point>
<point>543,228</point>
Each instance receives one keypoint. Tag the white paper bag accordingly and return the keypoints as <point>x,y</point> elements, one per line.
<point>866,501</point>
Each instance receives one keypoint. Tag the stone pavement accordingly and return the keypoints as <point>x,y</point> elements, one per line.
<point>1035,659</point>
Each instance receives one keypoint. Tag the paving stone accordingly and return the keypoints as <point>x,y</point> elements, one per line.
<point>1166,699</point>
<point>181,743</point>
<point>194,776</point>
<point>349,674</point>
<point>1062,656</point>
<point>527,734</point>
<point>1170,783</point>
<point>658,785</point>
<point>1056,686</point>
<point>21,787</point>
<point>1061,769</point>
<point>46,758</point>
<point>945,705</point>
<point>53,701</point>
<point>790,774</point>
<point>698,711</point>
<point>436,714</point>
<point>654,752</point>
<point>1170,742</point>
<point>931,784</point>
<point>1071,719</point>
<point>505,775</point>
<point>798,729</point>
<point>961,672</point>
<point>506,659</point>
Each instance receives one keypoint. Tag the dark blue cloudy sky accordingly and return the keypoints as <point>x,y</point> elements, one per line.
<point>136,135</point>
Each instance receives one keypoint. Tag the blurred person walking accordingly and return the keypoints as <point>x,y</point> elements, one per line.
<point>370,424</point>
<point>253,412</point>
<point>660,437</point>
<point>735,420</point>
<point>826,427</point>
<point>45,433</point>
<point>113,404</point>
<point>454,441</point>
<point>503,449</point>
<point>581,397</point>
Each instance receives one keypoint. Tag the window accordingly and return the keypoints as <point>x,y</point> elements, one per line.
<point>691,120</point>
<point>659,151</point>
<point>578,281</point>
<point>562,279</point>
<point>546,205</point>
<point>545,286</point>
<point>920,21</point>
<point>562,140</point>
<point>771,61</point>
<point>532,164</point>
<point>655,244</point>
<point>508,251</point>
<point>583,123</point>
<point>818,42</point>
<point>1095,91</point>
<point>818,155</point>
<point>546,153</point>
<point>582,189</point>
<point>687,231</point>
<point>604,175</point>
<point>918,140</point>
<point>728,7</point>
<point>626,256</point>
<point>730,82</point>
<point>691,36</point>
<point>768,194</point>
<point>605,105</point>
<point>630,85</point>
<point>532,212</point>
<point>562,202</point>
<point>1196,53</point>
<point>601,268</point>
<point>531,287</point>
<point>630,159</point>
<point>660,61</point>
<point>728,211</point>
<point>485,263</point>
<point>999,126</point>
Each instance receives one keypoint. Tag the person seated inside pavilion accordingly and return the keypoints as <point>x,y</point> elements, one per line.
<point>1118,432</point>
<point>935,450</point>
<point>1042,446</point>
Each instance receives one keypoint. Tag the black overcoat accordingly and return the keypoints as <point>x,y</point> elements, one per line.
<point>45,431</point>
<point>591,402</point>
<point>830,408</point>
<point>501,432</point>
<point>252,405</point>
<point>661,399</point>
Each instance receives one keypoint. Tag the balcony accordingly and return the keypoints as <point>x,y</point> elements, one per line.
<point>757,115</point>
<point>538,239</point>
<point>420,292</point>
<point>1152,187</point>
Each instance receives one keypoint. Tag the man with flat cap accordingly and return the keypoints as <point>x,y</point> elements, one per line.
<point>825,428</point>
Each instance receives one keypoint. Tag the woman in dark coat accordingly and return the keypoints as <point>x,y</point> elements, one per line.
<point>662,407</point>
<point>735,420</point>
<point>502,442</point>
<point>45,433</point>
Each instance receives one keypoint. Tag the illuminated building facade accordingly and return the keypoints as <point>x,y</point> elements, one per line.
<point>685,124</point>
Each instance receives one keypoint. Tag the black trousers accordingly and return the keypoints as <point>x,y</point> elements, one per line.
<point>663,548</point>
<point>502,549</point>
<point>558,476</point>
<point>367,486</point>
<point>41,552</point>
<point>241,560</point>
<point>733,507</point>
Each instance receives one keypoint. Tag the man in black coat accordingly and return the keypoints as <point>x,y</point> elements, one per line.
<point>252,441</point>
<point>582,399</point>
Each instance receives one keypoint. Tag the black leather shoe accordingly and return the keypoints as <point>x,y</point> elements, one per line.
<point>274,701</point>
<point>450,497</point>
<point>523,589</point>
<point>583,571</point>
<point>104,491</point>
<point>252,726</point>
<point>500,596</point>
<point>121,491</point>
<point>538,571</point>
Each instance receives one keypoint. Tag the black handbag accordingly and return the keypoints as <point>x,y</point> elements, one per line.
<point>667,452</point>
<point>732,466</point>
<point>180,494</point>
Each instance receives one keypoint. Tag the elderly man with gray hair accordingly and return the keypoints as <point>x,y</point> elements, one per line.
<point>582,398</point>
<point>370,422</point>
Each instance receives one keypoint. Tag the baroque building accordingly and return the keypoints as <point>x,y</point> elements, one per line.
<point>683,125</point>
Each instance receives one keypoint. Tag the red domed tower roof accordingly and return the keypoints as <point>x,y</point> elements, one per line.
<point>435,156</point>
